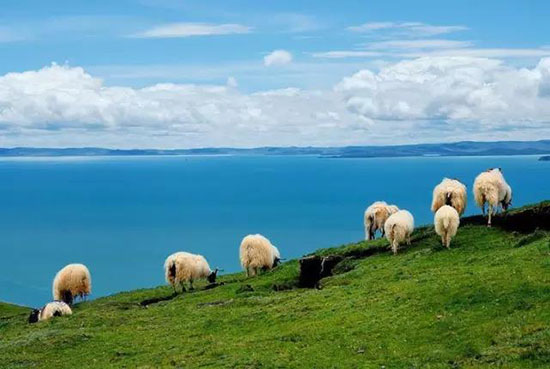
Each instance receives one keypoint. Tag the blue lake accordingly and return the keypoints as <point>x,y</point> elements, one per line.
<point>123,216</point>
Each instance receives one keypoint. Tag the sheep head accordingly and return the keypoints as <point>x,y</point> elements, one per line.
<point>212,276</point>
<point>33,317</point>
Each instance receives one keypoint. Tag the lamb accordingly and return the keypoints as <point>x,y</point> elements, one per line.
<point>51,309</point>
<point>446,223</point>
<point>72,281</point>
<point>256,252</point>
<point>375,217</point>
<point>450,192</point>
<point>182,267</point>
<point>491,187</point>
<point>398,228</point>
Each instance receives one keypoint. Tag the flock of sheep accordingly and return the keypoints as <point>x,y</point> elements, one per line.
<point>257,253</point>
<point>448,203</point>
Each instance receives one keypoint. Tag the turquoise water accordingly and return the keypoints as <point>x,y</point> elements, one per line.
<point>123,216</point>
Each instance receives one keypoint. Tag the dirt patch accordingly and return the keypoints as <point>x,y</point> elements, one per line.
<point>156,300</point>
<point>522,221</point>
<point>215,303</point>
<point>313,268</point>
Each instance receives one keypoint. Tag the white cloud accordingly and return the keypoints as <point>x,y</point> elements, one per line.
<point>413,29</point>
<point>418,44</point>
<point>341,54</point>
<point>411,49</point>
<point>452,89</point>
<point>427,99</point>
<point>174,30</point>
<point>277,57</point>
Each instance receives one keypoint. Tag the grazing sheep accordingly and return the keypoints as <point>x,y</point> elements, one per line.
<point>72,281</point>
<point>491,187</point>
<point>256,252</point>
<point>398,228</point>
<point>182,267</point>
<point>375,217</point>
<point>450,192</point>
<point>55,308</point>
<point>446,223</point>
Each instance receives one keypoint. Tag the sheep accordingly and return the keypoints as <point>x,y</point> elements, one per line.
<point>182,267</point>
<point>375,217</point>
<point>450,192</point>
<point>398,228</point>
<point>72,281</point>
<point>51,309</point>
<point>491,187</point>
<point>446,222</point>
<point>256,252</point>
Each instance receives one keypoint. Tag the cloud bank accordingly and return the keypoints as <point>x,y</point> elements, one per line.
<point>423,100</point>
<point>174,30</point>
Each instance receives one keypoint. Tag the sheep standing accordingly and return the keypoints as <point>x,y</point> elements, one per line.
<point>398,228</point>
<point>446,222</point>
<point>256,252</point>
<point>490,187</point>
<point>375,217</point>
<point>51,309</point>
<point>182,267</point>
<point>450,192</point>
<point>72,281</point>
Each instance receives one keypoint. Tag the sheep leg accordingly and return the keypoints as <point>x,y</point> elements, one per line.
<point>490,211</point>
<point>409,240</point>
<point>448,241</point>
<point>443,240</point>
<point>191,288</point>
<point>182,287</point>
<point>394,247</point>
<point>483,209</point>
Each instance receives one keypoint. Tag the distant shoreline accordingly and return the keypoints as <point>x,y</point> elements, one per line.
<point>464,148</point>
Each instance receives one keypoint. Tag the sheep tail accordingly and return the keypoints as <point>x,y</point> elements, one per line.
<point>446,222</point>
<point>392,231</point>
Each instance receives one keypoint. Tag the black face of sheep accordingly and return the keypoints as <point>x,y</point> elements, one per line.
<point>173,270</point>
<point>67,297</point>
<point>212,276</point>
<point>276,262</point>
<point>505,205</point>
<point>449,199</point>
<point>33,317</point>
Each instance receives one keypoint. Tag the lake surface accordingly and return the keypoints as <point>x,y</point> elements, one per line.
<point>123,216</point>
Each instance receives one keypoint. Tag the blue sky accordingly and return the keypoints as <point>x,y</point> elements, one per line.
<point>306,49</point>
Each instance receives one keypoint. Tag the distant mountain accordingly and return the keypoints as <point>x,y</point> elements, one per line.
<point>465,148</point>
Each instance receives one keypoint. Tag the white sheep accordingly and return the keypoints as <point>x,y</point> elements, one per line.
<point>51,309</point>
<point>182,267</point>
<point>72,281</point>
<point>398,228</point>
<point>256,252</point>
<point>375,217</point>
<point>490,187</point>
<point>446,222</point>
<point>450,192</point>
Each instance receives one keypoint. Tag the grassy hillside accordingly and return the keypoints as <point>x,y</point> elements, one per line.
<point>484,303</point>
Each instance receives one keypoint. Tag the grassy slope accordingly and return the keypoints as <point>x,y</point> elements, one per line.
<point>486,302</point>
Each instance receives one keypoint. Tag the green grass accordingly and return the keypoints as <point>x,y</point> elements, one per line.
<point>484,303</point>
